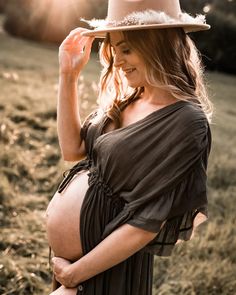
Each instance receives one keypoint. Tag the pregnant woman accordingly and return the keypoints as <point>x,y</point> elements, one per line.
<point>139,185</point>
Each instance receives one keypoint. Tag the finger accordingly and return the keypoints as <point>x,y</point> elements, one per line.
<point>55,265</point>
<point>79,29</point>
<point>83,45</point>
<point>56,271</point>
<point>75,32</point>
<point>81,41</point>
<point>75,41</point>
<point>88,46</point>
<point>53,260</point>
<point>57,278</point>
<point>71,37</point>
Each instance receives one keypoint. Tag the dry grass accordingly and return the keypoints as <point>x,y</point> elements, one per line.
<point>31,168</point>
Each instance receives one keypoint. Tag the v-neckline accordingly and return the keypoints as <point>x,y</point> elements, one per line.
<point>158,111</point>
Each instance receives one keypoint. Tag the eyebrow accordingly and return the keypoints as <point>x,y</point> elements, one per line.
<point>119,43</point>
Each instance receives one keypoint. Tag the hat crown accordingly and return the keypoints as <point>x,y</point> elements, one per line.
<point>119,9</point>
<point>126,15</point>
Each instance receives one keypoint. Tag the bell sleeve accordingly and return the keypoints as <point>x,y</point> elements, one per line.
<point>171,197</point>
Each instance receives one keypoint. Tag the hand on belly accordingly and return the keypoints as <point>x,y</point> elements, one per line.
<point>63,218</point>
<point>65,291</point>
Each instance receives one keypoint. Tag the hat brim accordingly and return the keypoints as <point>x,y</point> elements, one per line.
<point>188,28</point>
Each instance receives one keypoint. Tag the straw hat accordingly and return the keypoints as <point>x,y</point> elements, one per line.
<point>126,15</point>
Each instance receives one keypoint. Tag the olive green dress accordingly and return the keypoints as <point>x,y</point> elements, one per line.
<point>151,175</point>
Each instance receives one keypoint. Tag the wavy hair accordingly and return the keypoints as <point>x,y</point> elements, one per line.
<point>172,61</point>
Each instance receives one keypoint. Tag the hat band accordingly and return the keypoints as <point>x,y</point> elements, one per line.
<point>147,17</point>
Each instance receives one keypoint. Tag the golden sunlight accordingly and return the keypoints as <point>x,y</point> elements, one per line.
<point>207,8</point>
<point>59,16</point>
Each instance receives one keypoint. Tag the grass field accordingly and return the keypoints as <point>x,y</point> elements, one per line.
<point>31,167</point>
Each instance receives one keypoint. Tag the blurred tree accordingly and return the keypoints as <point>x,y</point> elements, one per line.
<point>226,6</point>
<point>48,20</point>
<point>197,6</point>
<point>98,8</point>
<point>2,5</point>
<point>194,6</point>
<point>218,45</point>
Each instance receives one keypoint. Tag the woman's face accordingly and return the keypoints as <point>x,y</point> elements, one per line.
<point>127,60</point>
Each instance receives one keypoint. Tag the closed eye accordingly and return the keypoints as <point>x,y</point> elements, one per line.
<point>126,51</point>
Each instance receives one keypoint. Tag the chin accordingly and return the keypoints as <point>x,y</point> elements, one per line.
<point>134,84</point>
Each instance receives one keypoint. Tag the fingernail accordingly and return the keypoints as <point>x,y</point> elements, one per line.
<point>53,259</point>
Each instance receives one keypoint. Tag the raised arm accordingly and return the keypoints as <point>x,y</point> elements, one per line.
<point>74,53</point>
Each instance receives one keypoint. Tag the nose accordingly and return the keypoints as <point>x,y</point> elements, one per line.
<point>118,60</point>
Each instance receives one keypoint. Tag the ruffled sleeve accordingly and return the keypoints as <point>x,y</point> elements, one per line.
<point>86,124</point>
<point>171,198</point>
<point>175,215</point>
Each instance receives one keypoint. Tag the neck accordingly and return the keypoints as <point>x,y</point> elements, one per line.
<point>157,96</point>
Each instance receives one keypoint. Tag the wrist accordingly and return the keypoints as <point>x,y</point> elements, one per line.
<point>75,273</point>
<point>69,76</point>
<point>68,277</point>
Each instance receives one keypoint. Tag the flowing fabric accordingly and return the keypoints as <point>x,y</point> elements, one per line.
<point>151,175</point>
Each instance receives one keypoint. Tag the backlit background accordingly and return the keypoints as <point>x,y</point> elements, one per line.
<point>31,165</point>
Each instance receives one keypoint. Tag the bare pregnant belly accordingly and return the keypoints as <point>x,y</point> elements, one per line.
<point>63,218</point>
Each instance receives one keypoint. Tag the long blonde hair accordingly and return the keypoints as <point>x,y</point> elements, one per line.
<point>172,63</point>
